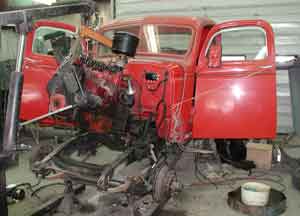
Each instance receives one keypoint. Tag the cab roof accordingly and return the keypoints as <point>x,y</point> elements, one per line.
<point>197,22</point>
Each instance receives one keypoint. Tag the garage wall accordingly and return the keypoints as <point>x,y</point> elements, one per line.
<point>19,3</point>
<point>104,11</point>
<point>283,15</point>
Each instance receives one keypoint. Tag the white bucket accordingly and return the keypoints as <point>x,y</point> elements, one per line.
<point>255,194</point>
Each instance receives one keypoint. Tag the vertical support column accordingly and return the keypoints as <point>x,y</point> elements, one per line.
<point>3,201</point>
<point>8,145</point>
<point>114,9</point>
<point>14,97</point>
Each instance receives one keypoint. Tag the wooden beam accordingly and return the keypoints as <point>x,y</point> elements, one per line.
<point>86,32</point>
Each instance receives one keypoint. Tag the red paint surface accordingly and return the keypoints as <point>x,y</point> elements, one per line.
<point>38,69</point>
<point>235,100</point>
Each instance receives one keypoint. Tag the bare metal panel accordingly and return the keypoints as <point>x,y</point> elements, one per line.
<point>284,108</point>
<point>295,94</point>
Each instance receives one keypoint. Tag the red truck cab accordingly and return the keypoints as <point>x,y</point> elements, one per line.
<point>221,76</point>
<point>39,66</point>
<point>200,79</point>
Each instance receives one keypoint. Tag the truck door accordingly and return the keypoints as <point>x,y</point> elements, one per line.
<point>236,82</point>
<point>40,64</point>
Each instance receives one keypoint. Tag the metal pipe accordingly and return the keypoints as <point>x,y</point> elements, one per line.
<point>47,115</point>
<point>21,48</point>
<point>41,12</point>
<point>288,65</point>
<point>285,65</point>
<point>78,83</point>
<point>59,148</point>
<point>14,98</point>
<point>3,201</point>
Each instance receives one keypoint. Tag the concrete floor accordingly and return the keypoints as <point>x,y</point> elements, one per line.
<point>207,201</point>
<point>193,201</point>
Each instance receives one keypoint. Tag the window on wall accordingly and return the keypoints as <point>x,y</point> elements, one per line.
<point>8,43</point>
<point>240,44</point>
<point>47,2</point>
<point>51,41</point>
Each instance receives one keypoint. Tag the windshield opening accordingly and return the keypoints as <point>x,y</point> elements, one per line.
<point>154,39</point>
<point>165,39</point>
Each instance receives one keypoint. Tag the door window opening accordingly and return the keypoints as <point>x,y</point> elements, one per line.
<point>241,44</point>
